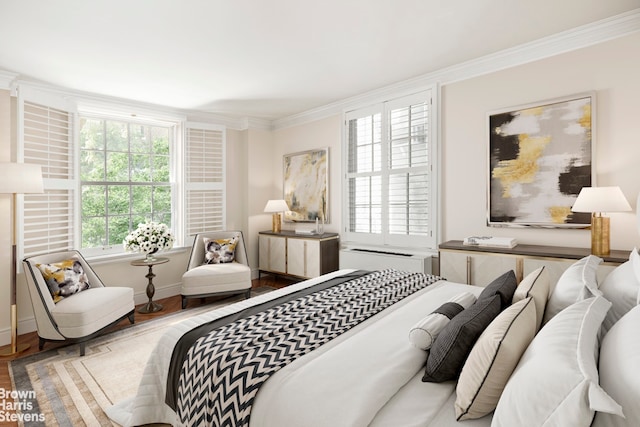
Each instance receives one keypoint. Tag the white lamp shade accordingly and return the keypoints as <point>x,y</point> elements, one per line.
<point>276,206</point>
<point>601,199</point>
<point>20,178</point>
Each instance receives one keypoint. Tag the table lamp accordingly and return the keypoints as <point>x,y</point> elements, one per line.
<point>17,178</point>
<point>598,200</point>
<point>276,207</point>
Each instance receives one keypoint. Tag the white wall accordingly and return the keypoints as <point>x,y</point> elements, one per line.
<point>262,168</point>
<point>611,69</point>
<point>319,134</point>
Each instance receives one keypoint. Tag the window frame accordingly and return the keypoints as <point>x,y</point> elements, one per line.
<point>80,106</point>
<point>385,240</point>
<point>175,144</point>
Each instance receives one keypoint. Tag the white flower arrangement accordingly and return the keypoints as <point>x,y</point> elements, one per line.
<point>149,238</point>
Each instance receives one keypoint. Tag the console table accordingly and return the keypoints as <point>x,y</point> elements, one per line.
<point>301,255</point>
<point>477,265</point>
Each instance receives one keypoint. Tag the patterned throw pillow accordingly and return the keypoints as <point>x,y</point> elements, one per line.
<point>219,251</point>
<point>64,278</point>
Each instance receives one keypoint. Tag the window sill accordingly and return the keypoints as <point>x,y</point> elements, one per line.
<point>128,256</point>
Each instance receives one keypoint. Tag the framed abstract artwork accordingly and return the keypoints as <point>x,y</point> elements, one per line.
<point>306,185</point>
<point>540,156</point>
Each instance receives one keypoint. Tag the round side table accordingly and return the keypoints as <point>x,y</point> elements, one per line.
<point>150,307</point>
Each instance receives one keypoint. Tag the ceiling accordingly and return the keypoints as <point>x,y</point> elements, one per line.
<point>266,59</point>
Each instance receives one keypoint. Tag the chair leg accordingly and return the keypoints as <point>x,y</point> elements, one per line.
<point>132,317</point>
<point>82,348</point>
<point>184,303</point>
<point>247,294</point>
<point>41,343</point>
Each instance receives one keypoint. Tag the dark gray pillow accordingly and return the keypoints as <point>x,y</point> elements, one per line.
<point>504,285</point>
<point>454,343</point>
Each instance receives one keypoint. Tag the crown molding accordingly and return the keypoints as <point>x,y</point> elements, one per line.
<point>580,37</point>
<point>6,79</point>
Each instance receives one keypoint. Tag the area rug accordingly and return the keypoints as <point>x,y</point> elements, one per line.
<point>60,388</point>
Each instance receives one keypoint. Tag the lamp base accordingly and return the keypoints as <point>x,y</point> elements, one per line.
<point>275,223</point>
<point>600,236</point>
<point>14,348</point>
<point>9,351</point>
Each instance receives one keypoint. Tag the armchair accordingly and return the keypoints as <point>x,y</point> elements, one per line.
<point>207,279</point>
<point>79,316</point>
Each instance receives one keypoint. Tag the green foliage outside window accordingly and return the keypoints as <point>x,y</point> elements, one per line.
<point>125,179</point>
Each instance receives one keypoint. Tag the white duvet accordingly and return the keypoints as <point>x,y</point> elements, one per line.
<point>368,376</point>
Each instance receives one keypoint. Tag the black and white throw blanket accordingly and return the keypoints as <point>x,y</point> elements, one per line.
<point>224,369</point>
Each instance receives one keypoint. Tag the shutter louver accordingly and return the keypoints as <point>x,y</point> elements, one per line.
<point>48,218</point>
<point>204,180</point>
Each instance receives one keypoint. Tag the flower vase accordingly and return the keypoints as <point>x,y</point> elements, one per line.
<point>150,256</point>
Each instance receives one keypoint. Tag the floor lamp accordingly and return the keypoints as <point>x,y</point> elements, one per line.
<point>17,178</point>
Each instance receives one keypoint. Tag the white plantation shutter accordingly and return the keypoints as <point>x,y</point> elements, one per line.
<point>389,181</point>
<point>204,178</point>
<point>48,221</point>
<point>409,190</point>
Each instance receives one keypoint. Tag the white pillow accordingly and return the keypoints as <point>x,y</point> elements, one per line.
<point>493,358</point>
<point>423,333</point>
<point>578,282</point>
<point>535,285</point>
<point>622,288</point>
<point>619,361</point>
<point>556,380</point>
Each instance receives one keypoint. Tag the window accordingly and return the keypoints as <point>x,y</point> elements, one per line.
<point>389,180</point>
<point>124,178</point>
<point>105,173</point>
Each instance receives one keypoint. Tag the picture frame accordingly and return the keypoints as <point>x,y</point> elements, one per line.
<point>306,185</point>
<point>540,156</point>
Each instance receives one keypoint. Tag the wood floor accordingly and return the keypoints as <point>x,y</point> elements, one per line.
<point>171,304</point>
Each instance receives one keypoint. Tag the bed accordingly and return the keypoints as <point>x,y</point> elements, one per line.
<point>370,374</point>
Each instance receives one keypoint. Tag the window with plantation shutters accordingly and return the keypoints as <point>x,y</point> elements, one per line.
<point>204,178</point>
<point>48,220</point>
<point>389,185</point>
<point>106,170</point>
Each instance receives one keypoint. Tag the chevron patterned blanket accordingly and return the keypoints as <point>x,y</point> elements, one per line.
<point>224,369</point>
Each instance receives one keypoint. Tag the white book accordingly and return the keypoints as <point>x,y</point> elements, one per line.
<point>489,241</point>
<point>304,231</point>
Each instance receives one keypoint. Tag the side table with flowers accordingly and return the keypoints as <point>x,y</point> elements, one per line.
<point>149,238</point>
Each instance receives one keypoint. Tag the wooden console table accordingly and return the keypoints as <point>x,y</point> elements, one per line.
<point>477,265</point>
<point>299,255</point>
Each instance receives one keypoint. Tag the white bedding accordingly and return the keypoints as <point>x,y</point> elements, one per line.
<point>370,375</point>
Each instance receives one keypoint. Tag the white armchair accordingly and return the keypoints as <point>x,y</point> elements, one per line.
<point>80,316</point>
<point>207,279</point>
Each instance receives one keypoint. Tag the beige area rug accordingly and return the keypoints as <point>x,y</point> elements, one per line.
<point>60,388</point>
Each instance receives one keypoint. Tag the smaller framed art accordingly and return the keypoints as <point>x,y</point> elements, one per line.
<point>306,185</point>
<point>540,156</point>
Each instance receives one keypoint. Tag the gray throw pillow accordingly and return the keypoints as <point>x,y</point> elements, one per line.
<point>504,285</point>
<point>454,343</point>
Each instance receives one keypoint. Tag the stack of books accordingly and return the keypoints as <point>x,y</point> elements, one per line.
<point>488,241</point>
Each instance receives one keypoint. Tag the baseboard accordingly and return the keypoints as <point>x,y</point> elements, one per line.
<point>161,292</point>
